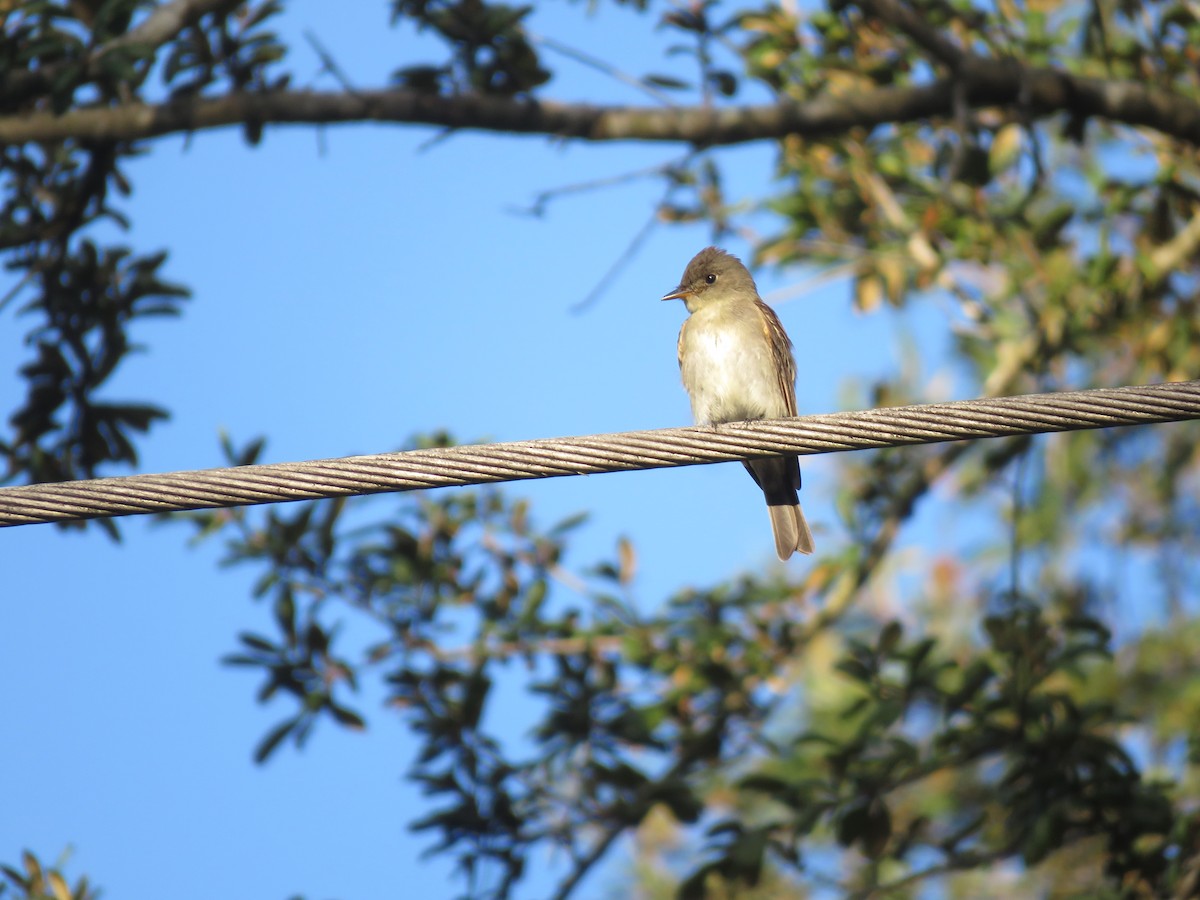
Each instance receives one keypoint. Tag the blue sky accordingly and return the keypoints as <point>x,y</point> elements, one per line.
<point>344,299</point>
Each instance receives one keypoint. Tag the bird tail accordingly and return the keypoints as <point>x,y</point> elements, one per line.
<point>791,530</point>
<point>779,478</point>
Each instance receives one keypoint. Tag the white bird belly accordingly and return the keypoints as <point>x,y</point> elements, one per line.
<point>729,374</point>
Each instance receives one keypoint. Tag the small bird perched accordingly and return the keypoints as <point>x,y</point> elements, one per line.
<point>736,362</point>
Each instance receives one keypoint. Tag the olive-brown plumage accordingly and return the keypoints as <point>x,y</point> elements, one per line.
<point>736,363</point>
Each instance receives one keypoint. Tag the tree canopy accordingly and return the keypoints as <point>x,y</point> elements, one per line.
<point>1030,169</point>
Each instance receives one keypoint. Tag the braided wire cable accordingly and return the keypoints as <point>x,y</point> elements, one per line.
<point>593,454</point>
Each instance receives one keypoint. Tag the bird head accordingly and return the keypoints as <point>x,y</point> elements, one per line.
<point>712,276</point>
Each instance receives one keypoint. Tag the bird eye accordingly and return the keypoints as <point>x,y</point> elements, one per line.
<point>710,278</point>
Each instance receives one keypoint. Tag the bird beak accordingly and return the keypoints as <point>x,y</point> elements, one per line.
<point>677,293</point>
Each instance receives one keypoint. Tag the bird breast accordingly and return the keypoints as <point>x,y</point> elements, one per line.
<point>728,369</point>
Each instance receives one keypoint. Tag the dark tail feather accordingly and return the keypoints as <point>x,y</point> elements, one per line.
<point>779,478</point>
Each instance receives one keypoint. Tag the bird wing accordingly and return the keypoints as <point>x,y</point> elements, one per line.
<point>781,354</point>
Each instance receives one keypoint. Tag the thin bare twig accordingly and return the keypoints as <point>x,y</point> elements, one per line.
<point>635,244</point>
<point>621,262</point>
<point>912,24</point>
<point>329,64</point>
<point>538,207</point>
<point>600,65</point>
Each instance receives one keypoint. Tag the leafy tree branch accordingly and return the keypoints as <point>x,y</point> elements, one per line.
<point>1035,93</point>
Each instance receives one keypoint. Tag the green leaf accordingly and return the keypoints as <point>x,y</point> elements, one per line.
<point>666,82</point>
<point>346,717</point>
<point>274,738</point>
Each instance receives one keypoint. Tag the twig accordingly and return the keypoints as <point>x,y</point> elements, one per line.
<point>1168,257</point>
<point>827,274</point>
<point>623,260</point>
<point>538,208</point>
<point>329,64</point>
<point>627,811</point>
<point>911,23</point>
<point>16,288</point>
<point>601,66</point>
<point>634,245</point>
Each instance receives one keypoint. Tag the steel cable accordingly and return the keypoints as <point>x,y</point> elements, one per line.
<point>593,454</point>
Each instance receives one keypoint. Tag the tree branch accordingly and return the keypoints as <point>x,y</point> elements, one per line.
<point>167,20</point>
<point>630,812</point>
<point>1039,92</point>
<point>911,23</point>
<point>160,26</point>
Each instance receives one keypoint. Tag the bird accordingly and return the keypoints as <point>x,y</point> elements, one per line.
<point>736,363</point>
